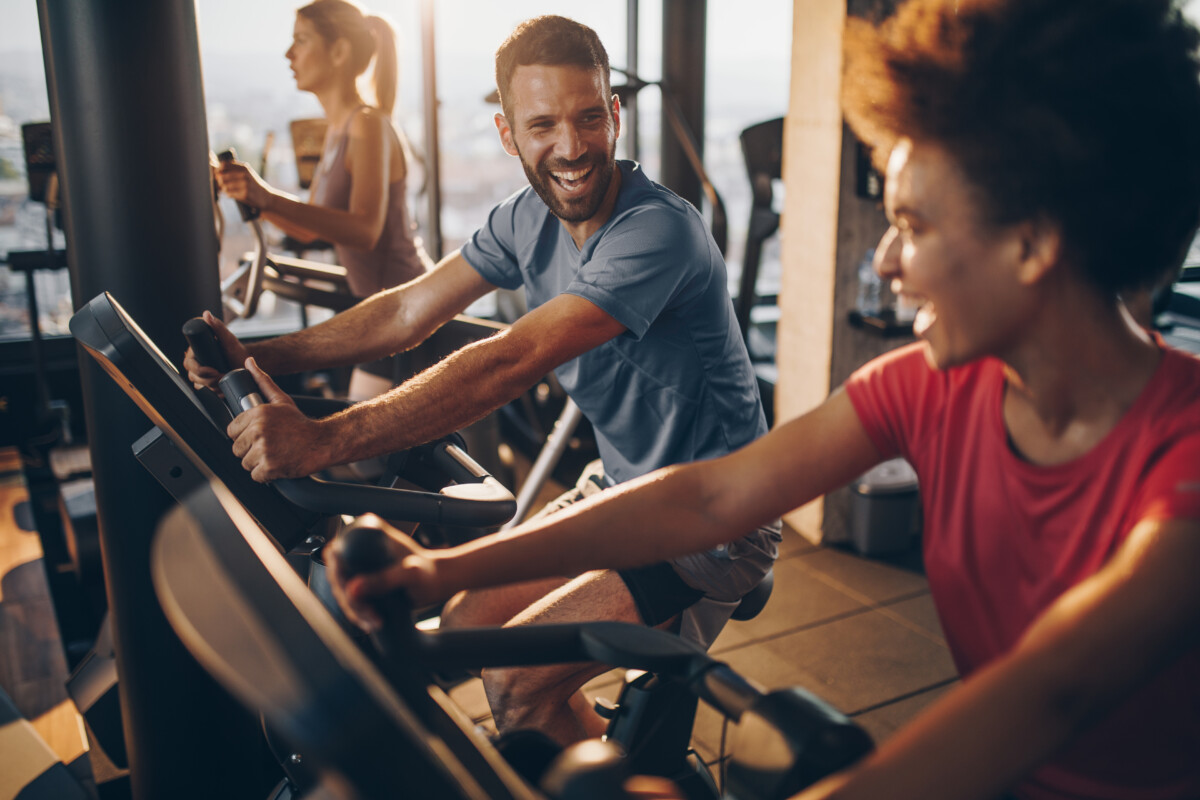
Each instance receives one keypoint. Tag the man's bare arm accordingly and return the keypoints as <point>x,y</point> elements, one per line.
<point>388,322</point>
<point>275,441</point>
<point>680,509</point>
<point>668,513</point>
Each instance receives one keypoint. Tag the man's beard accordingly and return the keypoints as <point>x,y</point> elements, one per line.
<point>578,209</point>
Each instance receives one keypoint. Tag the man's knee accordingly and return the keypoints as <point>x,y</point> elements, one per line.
<point>472,609</point>
<point>456,612</point>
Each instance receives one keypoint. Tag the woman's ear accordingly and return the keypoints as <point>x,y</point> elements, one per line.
<point>339,52</point>
<point>1041,249</point>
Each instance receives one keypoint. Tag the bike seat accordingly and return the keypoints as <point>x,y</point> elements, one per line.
<point>756,599</point>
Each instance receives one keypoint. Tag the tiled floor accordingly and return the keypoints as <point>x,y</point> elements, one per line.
<point>859,633</point>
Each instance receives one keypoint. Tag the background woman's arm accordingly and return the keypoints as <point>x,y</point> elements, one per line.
<point>369,159</point>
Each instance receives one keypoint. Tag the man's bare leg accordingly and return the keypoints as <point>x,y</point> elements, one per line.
<point>548,698</point>
<point>495,606</point>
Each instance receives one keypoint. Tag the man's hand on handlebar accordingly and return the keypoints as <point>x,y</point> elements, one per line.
<point>416,574</point>
<point>239,181</point>
<point>201,375</point>
<point>275,440</point>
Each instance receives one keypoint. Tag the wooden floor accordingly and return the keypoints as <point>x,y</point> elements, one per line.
<point>33,668</point>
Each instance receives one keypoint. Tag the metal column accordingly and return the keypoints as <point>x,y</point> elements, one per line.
<point>684,31</point>
<point>629,114</point>
<point>131,141</point>
<point>433,173</point>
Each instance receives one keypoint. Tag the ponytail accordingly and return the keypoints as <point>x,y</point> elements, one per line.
<point>385,71</point>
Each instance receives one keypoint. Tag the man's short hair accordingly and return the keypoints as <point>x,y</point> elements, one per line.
<point>1081,112</point>
<point>549,41</point>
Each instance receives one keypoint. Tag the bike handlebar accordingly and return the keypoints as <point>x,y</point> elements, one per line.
<point>204,344</point>
<point>248,212</point>
<point>476,499</point>
<point>796,737</point>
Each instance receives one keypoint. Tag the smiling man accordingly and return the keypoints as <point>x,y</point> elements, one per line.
<point>628,306</point>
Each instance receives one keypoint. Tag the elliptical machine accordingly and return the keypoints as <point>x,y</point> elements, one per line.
<point>187,450</point>
<point>651,720</point>
<point>187,446</point>
<point>375,730</point>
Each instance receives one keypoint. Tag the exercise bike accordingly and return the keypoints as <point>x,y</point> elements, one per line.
<point>376,730</point>
<point>188,447</point>
<point>652,718</point>
<point>187,444</point>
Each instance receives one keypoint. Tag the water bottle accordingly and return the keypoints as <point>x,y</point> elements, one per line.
<point>870,286</point>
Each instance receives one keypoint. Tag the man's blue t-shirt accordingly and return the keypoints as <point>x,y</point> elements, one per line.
<point>677,386</point>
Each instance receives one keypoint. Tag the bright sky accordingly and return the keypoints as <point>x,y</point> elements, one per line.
<point>469,27</point>
<point>265,25</point>
<point>17,19</point>
<point>252,24</point>
<point>743,35</point>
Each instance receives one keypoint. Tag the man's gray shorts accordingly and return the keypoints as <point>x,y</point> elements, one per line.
<point>723,575</point>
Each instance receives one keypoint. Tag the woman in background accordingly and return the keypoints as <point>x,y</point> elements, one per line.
<point>357,201</point>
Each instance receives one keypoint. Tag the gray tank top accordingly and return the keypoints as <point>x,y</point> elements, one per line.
<point>395,258</point>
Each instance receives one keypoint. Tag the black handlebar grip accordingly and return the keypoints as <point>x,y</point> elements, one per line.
<point>240,391</point>
<point>204,344</point>
<point>363,549</point>
<point>248,212</point>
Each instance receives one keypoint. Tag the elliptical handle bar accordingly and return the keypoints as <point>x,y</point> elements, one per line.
<point>204,344</point>
<point>477,500</point>
<point>248,212</point>
<point>240,391</point>
<point>491,504</point>
<point>362,549</point>
<point>240,291</point>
